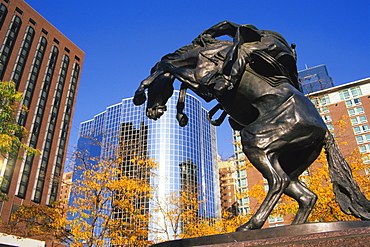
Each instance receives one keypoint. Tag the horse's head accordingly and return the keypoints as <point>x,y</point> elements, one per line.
<point>159,91</point>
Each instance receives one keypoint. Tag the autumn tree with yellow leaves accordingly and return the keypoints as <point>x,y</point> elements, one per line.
<point>11,133</point>
<point>173,214</point>
<point>106,206</point>
<point>178,216</point>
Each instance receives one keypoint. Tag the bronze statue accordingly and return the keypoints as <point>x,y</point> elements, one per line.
<point>254,79</point>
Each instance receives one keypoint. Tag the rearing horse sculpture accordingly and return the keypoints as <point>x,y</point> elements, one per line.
<point>254,79</point>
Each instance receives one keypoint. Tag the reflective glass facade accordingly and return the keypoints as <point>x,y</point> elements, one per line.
<point>314,79</point>
<point>186,156</point>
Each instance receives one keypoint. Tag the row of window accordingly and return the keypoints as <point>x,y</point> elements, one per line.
<point>351,112</point>
<point>51,128</point>
<point>8,44</point>
<point>26,102</point>
<point>22,55</point>
<point>41,106</point>
<point>348,94</point>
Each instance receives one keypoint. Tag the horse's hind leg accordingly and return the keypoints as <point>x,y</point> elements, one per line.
<point>306,200</point>
<point>277,179</point>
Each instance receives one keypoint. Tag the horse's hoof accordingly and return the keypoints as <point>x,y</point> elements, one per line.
<point>182,119</point>
<point>246,227</point>
<point>139,98</point>
<point>242,229</point>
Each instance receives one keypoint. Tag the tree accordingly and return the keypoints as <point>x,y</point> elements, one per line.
<point>11,133</point>
<point>106,207</point>
<point>172,213</point>
<point>179,217</point>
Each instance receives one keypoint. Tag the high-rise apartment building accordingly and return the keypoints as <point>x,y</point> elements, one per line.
<point>65,189</point>
<point>228,185</point>
<point>45,66</point>
<point>186,156</point>
<point>349,102</point>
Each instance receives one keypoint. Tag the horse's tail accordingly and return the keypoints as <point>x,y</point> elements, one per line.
<point>347,191</point>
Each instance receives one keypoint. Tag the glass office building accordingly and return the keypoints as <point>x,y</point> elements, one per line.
<point>314,79</point>
<point>186,156</point>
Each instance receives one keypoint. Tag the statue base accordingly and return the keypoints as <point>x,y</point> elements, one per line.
<point>355,233</point>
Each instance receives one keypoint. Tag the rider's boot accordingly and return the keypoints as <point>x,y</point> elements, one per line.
<point>222,84</point>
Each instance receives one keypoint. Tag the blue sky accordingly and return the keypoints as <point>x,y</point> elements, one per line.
<point>123,39</point>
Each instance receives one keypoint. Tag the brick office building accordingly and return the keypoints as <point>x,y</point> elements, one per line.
<point>46,68</point>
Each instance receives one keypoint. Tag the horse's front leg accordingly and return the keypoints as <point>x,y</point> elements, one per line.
<point>156,71</point>
<point>277,179</point>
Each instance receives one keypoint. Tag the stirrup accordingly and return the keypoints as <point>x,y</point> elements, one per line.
<point>212,112</point>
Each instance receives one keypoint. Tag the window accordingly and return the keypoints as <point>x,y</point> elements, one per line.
<point>242,173</point>
<point>363,139</point>
<point>353,102</point>
<point>243,182</point>
<point>365,148</point>
<point>8,44</point>
<point>330,126</point>
<point>361,129</point>
<point>245,200</point>
<point>324,100</point>
<point>344,95</point>
<point>356,92</point>
<point>22,55</point>
<point>323,109</point>
<point>245,210</point>
<point>32,21</point>
<point>358,120</point>
<point>19,10</point>
<point>3,12</point>
<point>326,118</point>
<point>276,219</point>
<point>350,93</point>
<point>366,160</point>
<point>356,111</point>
